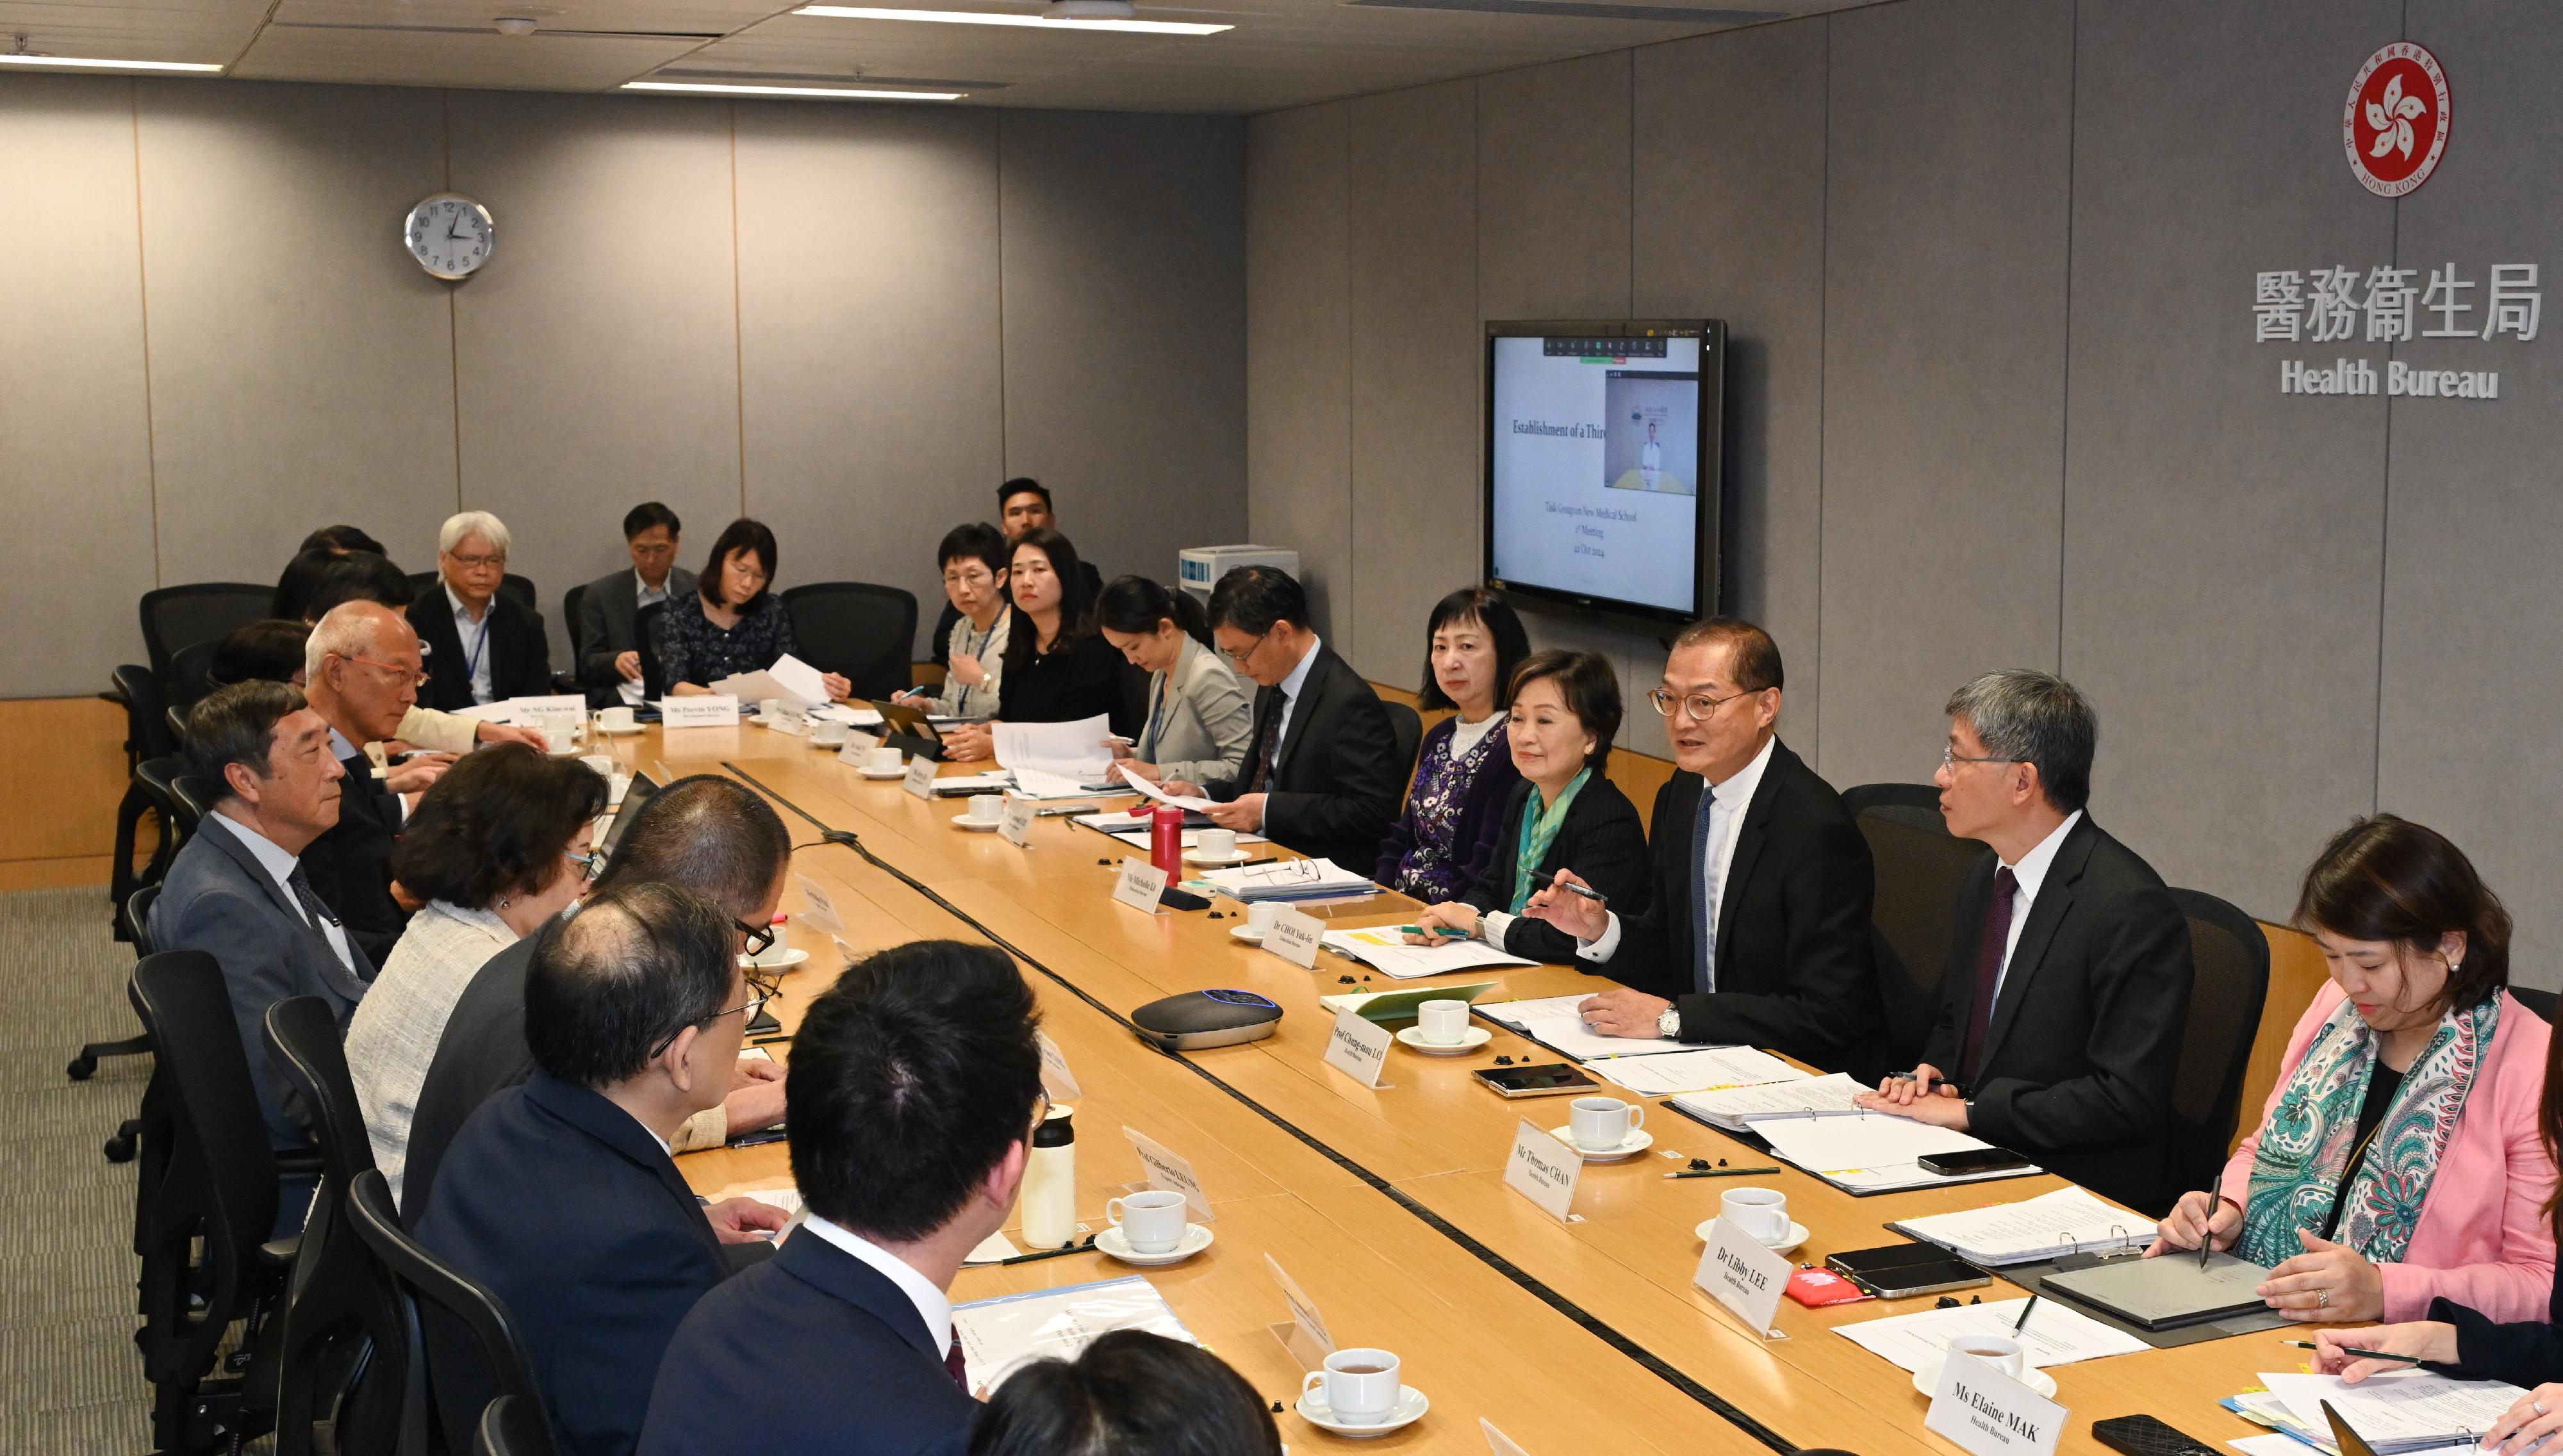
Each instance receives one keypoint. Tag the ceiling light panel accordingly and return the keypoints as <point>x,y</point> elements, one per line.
<point>991,17</point>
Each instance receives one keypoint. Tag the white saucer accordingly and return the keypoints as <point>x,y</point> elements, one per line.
<point>1637,1141</point>
<point>1469,1041</point>
<point>882,773</point>
<point>979,827</point>
<point>573,751</point>
<point>1790,1245</point>
<point>1410,1408</point>
<point>1232,856</point>
<point>1248,934</point>
<point>622,732</point>
<point>1928,1380</point>
<point>791,958</point>
<point>1108,1240</point>
<point>831,746</point>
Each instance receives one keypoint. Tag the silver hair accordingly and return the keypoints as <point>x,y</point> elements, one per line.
<point>348,629</point>
<point>473,523</point>
<point>2026,716</point>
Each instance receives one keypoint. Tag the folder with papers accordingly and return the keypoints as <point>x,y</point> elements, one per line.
<point>2049,1226</point>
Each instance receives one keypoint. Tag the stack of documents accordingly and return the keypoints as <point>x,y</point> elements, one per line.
<point>1553,1022</point>
<point>1291,879</point>
<point>2405,1412</point>
<point>1131,829</point>
<point>1737,1106</point>
<point>1384,948</point>
<point>1042,783</point>
<point>850,714</point>
<point>1874,1153</point>
<point>2049,1226</point>
<point>1000,1335</point>
<point>993,781</point>
<point>2055,1335</point>
<point>1072,751</point>
<point>1699,1070</point>
<point>800,685</point>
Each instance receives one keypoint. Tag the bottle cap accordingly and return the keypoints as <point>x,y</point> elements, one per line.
<point>1054,1131</point>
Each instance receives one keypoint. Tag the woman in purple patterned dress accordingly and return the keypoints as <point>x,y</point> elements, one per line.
<point>1464,770</point>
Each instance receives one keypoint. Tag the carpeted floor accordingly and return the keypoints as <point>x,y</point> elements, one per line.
<point>70,1382</point>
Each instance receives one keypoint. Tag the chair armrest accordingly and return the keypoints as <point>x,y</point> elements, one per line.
<point>279,1254</point>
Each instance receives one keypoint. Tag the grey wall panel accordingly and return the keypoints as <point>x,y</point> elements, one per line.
<point>871,399</point>
<point>1298,359</point>
<point>2221,540</point>
<point>302,364</point>
<point>1553,190</point>
<point>75,437</point>
<point>1417,488</point>
<point>2472,664</point>
<point>1944,365</point>
<point>1729,223</point>
<point>597,354</point>
<point>1125,305</point>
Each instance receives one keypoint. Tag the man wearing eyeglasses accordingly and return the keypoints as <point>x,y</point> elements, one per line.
<point>486,644</point>
<point>1757,932</point>
<point>560,1196</point>
<point>2067,987</point>
<point>361,668</point>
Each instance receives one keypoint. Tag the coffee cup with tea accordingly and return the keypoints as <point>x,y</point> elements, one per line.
<point>1361,1385</point>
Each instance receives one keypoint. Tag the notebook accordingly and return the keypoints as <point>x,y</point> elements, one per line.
<point>2167,1293</point>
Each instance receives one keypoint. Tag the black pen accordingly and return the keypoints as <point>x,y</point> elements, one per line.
<point>765,1040</point>
<point>1720,1171</point>
<point>1249,864</point>
<point>1086,1247</point>
<point>2023,1321</point>
<point>2361,1354</point>
<point>2205,1235</point>
<point>1551,881</point>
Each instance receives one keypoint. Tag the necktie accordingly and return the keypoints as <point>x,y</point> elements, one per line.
<point>1268,743</point>
<point>953,1364</point>
<point>1989,960</point>
<point>1703,902</point>
<point>318,914</point>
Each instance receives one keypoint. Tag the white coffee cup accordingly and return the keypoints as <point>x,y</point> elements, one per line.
<point>987,809</point>
<point>827,734</point>
<point>1999,1350</point>
<point>1152,1222</point>
<point>770,708</point>
<point>1600,1124</point>
<point>778,952</point>
<point>1761,1212</point>
<point>1442,1022</point>
<point>1361,1385</point>
<point>1218,843</point>
<point>1261,914</point>
<point>615,720</point>
<point>884,760</point>
<point>559,737</point>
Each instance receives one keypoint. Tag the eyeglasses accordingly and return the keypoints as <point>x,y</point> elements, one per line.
<point>760,938</point>
<point>1240,657</point>
<point>1950,757</point>
<point>397,670</point>
<point>590,865</point>
<point>760,988</point>
<point>480,563</point>
<point>1699,707</point>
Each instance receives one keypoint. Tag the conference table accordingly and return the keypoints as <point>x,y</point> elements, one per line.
<point>1386,1205</point>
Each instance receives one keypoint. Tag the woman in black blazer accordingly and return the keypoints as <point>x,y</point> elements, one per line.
<point>1057,669</point>
<point>1565,709</point>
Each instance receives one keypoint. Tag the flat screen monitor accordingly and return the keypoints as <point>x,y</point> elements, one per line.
<point>1603,452</point>
<point>633,798</point>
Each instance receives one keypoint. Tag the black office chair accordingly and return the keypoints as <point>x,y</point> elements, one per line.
<point>133,923</point>
<point>2539,1002</point>
<point>345,1301</point>
<point>648,633</point>
<point>1406,727</point>
<point>860,631</point>
<point>200,611</point>
<point>480,1353</point>
<point>513,1427</point>
<point>149,792</point>
<point>190,678</point>
<point>195,799</point>
<point>514,586</point>
<point>2231,953</point>
<point>204,1222</point>
<point>571,600</point>
<point>1919,867</point>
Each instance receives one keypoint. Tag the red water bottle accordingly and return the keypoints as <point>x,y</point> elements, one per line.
<point>1167,839</point>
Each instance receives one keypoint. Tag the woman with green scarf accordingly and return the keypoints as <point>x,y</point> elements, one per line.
<point>2398,1171</point>
<point>1566,811</point>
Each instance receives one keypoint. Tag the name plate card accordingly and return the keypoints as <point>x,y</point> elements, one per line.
<point>1989,1413</point>
<point>1498,1441</point>
<point>569,704</point>
<point>1016,822</point>
<point>1357,1047</point>
<point>1306,1336</point>
<point>719,710</point>
<point>821,913</point>
<point>1739,1272</point>
<point>1057,1079</point>
<point>920,777</point>
<point>1139,885</point>
<point>1169,1170</point>
<point>1295,936</point>
<point>858,748</point>
<point>1543,1169</point>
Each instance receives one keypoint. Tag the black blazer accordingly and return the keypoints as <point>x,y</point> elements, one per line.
<point>1793,938</point>
<point>604,627</point>
<point>562,1205</point>
<point>1075,682</point>
<point>2527,1354</point>
<point>350,865</point>
<point>1600,840</point>
<point>811,1354</point>
<point>2085,1039</point>
<point>481,1053</point>
<point>520,661</point>
<point>942,636</point>
<point>1335,786</point>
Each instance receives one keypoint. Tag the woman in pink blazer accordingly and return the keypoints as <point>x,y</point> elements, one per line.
<point>2399,1158</point>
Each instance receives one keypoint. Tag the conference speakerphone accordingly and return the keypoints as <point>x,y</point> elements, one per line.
<point>1196,1020</point>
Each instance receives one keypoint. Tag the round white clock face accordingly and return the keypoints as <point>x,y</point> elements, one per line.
<point>450,235</point>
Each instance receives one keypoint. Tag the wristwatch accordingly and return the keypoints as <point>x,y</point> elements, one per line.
<point>1669,1024</point>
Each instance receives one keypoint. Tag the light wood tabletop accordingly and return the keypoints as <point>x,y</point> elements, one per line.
<point>1566,1331</point>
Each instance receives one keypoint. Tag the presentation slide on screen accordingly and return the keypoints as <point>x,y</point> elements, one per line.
<point>1595,456</point>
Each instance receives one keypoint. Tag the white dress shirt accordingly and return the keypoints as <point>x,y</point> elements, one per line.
<point>932,1304</point>
<point>1725,826</point>
<point>475,643</point>
<point>397,1027</point>
<point>2031,873</point>
<point>279,866</point>
<point>1289,687</point>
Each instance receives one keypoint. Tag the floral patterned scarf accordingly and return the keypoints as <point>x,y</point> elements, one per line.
<point>2306,1145</point>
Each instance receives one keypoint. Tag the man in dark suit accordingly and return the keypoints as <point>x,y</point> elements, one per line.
<point>1023,507</point>
<point>237,891</point>
<point>1323,777</point>
<point>915,1080</point>
<point>1746,839</point>
<point>559,1196</point>
<point>484,646</point>
<point>713,837</point>
<point>2067,989</point>
<point>361,668</point>
<point>607,641</point>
